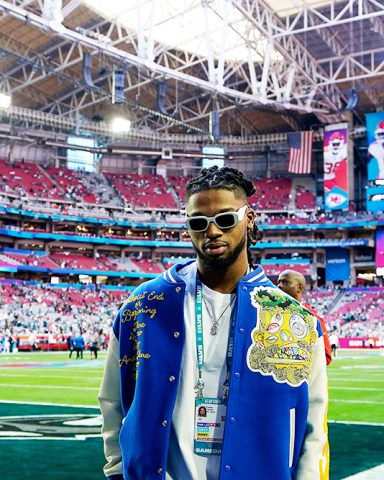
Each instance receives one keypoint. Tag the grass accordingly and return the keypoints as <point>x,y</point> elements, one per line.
<point>50,378</point>
<point>356,387</point>
<point>356,413</point>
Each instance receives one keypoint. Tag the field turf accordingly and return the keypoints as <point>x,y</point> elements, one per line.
<point>49,420</point>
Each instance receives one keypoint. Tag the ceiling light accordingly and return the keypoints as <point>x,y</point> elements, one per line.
<point>120,125</point>
<point>5,100</point>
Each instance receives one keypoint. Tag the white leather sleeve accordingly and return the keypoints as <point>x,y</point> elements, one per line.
<point>110,406</point>
<point>314,457</point>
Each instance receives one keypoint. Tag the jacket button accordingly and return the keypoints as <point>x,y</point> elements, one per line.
<point>176,334</point>
<point>237,374</point>
<point>227,468</point>
<point>171,378</point>
<point>160,470</point>
<point>232,419</point>
<point>241,330</point>
<point>244,288</point>
<point>165,423</point>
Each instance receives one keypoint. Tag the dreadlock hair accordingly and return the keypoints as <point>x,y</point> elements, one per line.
<point>226,178</point>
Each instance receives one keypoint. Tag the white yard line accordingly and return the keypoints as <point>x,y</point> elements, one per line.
<point>48,404</point>
<point>348,380</point>
<point>17,385</point>
<point>69,376</point>
<point>355,401</point>
<point>367,424</point>
<point>370,389</point>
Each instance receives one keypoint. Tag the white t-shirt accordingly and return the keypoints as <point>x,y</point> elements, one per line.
<point>183,463</point>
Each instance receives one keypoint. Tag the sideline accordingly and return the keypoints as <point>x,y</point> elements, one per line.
<point>348,422</point>
<point>50,404</point>
<point>376,473</point>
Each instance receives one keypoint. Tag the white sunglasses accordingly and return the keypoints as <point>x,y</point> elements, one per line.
<point>222,220</point>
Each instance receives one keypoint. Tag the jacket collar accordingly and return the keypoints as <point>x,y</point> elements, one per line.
<point>176,273</point>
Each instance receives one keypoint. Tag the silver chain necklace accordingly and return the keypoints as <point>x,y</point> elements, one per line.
<point>215,321</point>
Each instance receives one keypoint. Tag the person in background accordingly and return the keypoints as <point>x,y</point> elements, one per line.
<point>215,333</point>
<point>79,345</point>
<point>94,345</point>
<point>335,343</point>
<point>294,283</point>
<point>71,344</point>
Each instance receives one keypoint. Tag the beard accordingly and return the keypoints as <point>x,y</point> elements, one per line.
<point>221,263</point>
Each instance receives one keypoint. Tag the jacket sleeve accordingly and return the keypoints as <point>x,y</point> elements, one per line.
<point>327,345</point>
<point>111,410</point>
<point>314,457</point>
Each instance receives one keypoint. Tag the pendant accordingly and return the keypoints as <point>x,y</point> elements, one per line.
<point>213,329</point>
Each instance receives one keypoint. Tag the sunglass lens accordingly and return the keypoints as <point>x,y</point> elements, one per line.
<point>198,224</point>
<point>226,220</point>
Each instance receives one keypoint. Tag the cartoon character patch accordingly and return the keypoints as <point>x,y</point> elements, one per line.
<point>283,339</point>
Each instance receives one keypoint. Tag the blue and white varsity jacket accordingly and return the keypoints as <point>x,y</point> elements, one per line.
<point>277,391</point>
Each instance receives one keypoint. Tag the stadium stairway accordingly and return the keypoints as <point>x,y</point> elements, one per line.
<point>173,192</point>
<point>46,174</point>
<point>337,302</point>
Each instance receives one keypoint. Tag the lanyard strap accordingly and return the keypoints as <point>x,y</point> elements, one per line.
<point>200,340</point>
<point>199,335</point>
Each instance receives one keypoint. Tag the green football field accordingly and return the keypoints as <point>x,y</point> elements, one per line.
<point>50,423</point>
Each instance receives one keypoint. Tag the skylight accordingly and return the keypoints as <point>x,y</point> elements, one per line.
<point>182,24</point>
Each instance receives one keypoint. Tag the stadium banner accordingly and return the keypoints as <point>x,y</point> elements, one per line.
<point>337,266</point>
<point>375,198</point>
<point>360,342</point>
<point>335,155</point>
<point>380,253</point>
<point>375,141</point>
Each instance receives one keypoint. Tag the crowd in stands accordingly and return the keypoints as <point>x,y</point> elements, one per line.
<point>322,299</point>
<point>272,194</point>
<point>28,179</point>
<point>28,310</point>
<point>29,259</point>
<point>274,269</point>
<point>69,312</point>
<point>77,261</point>
<point>147,197</point>
<point>350,312</point>
<point>133,190</point>
<point>144,191</point>
<point>359,313</point>
<point>85,187</point>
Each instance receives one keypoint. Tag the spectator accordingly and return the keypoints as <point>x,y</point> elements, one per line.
<point>294,284</point>
<point>79,345</point>
<point>335,343</point>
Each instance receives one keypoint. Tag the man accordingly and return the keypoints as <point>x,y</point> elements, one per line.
<point>335,343</point>
<point>294,284</point>
<point>215,333</point>
<point>79,345</point>
<point>71,344</point>
<point>94,344</point>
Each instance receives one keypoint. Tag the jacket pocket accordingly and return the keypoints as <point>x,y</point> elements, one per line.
<point>292,424</point>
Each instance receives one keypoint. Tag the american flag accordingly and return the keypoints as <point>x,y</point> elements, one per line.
<point>300,152</point>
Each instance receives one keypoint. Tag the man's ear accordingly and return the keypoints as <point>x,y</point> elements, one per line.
<point>301,288</point>
<point>251,216</point>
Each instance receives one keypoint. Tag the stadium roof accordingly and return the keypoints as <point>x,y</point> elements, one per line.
<point>264,66</point>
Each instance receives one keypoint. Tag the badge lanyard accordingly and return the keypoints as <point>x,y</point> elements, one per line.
<point>200,341</point>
